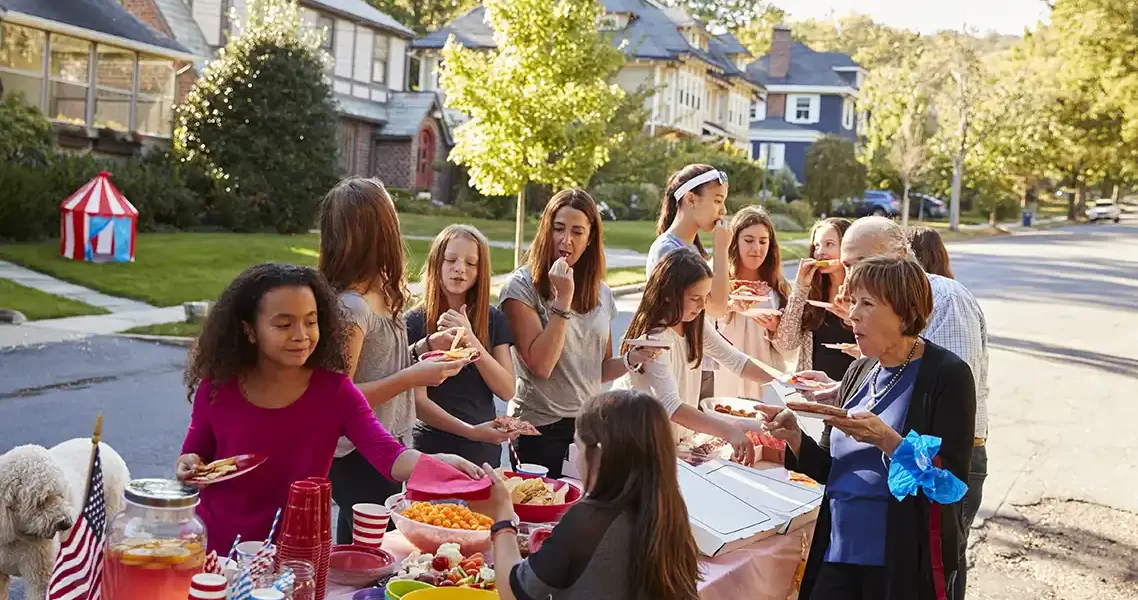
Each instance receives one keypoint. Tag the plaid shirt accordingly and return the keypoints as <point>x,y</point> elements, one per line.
<point>958,325</point>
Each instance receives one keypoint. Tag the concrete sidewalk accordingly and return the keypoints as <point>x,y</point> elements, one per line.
<point>51,285</point>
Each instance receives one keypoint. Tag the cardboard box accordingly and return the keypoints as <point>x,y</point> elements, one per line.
<point>731,506</point>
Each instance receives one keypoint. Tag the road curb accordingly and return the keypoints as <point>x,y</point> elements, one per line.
<point>165,340</point>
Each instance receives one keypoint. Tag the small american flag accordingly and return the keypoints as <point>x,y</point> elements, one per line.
<point>78,572</point>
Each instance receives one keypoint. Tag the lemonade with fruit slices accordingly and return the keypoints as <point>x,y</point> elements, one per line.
<point>152,569</point>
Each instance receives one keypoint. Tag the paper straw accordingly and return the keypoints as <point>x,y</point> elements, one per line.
<point>514,452</point>
<point>233,550</point>
<point>285,581</point>
<point>212,565</point>
<point>273,529</point>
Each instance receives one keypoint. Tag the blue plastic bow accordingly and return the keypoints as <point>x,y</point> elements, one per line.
<point>912,469</point>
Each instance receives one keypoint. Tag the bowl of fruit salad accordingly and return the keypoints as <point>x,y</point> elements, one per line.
<point>448,567</point>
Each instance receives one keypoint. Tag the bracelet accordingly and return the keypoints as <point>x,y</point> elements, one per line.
<point>628,364</point>
<point>564,314</point>
<point>497,528</point>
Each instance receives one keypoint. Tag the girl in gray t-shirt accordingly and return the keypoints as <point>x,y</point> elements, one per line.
<point>560,312</point>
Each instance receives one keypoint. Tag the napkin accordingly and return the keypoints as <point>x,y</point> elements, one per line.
<point>432,479</point>
<point>913,469</point>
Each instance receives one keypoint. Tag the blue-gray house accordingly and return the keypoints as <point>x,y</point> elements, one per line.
<point>809,94</point>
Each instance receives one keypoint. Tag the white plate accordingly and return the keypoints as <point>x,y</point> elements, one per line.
<point>807,385</point>
<point>756,312</point>
<point>708,406</point>
<point>841,347</point>
<point>643,343</point>
<point>812,415</point>
<point>819,303</point>
<point>748,297</point>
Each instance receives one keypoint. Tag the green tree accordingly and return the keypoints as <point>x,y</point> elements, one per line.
<point>424,16</point>
<point>539,103</point>
<point>871,44</point>
<point>832,172</point>
<point>901,124</point>
<point>756,35</point>
<point>261,116</point>
<point>730,15</point>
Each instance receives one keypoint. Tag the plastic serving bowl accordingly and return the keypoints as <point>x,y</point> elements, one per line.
<point>545,513</point>
<point>451,593</point>
<point>357,566</point>
<point>428,538</point>
<point>398,588</point>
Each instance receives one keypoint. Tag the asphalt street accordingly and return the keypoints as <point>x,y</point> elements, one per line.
<point>1062,311</point>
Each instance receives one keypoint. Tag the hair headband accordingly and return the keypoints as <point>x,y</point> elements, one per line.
<point>699,180</point>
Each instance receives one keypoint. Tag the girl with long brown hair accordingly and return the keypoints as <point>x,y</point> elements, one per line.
<point>361,255</point>
<point>560,311</point>
<point>930,251</point>
<point>629,538</point>
<point>672,312</point>
<point>456,281</point>
<point>755,259</point>
<point>818,333</point>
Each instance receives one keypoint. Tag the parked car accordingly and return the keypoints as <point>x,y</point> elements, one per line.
<point>1104,210</point>
<point>879,203</point>
<point>934,208</point>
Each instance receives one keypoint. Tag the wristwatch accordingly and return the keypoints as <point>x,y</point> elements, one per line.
<point>500,525</point>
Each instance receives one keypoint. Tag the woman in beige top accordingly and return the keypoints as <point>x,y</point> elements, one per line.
<point>756,263</point>
<point>672,311</point>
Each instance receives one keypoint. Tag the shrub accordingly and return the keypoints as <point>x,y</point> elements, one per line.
<point>261,120</point>
<point>629,201</point>
<point>832,172</point>
<point>24,132</point>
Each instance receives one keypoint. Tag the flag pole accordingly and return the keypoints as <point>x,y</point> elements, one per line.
<point>94,449</point>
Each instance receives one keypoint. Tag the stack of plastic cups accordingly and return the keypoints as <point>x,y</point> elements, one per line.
<point>300,536</point>
<point>207,586</point>
<point>325,535</point>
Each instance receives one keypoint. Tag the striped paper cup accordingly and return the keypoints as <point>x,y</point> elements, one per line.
<point>207,586</point>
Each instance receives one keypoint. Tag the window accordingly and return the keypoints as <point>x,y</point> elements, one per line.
<point>154,109</point>
<point>68,75</point>
<point>773,156</point>
<point>847,113</point>
<point>759,110</point>
<point>803,109</point>
<point>379,60</point>
<point>114,84</point>
<point>21,61</point>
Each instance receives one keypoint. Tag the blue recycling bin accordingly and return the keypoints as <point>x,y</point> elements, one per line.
<point>1027,215</point>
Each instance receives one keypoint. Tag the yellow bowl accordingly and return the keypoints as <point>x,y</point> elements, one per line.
<point>451,593</point>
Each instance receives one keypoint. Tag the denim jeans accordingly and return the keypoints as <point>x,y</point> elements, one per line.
<point>971,505</point>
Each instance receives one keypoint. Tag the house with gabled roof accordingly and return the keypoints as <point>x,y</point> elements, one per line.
<point>386,130</point>
<point>809,94</point>
<point>702,87</point>
<point>103,78</point>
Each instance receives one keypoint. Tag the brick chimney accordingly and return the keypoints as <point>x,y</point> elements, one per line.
<point>780,52</point>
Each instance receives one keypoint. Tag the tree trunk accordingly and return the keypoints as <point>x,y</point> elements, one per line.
<point>905,206</point>
<point>519,227</point>
<point>954,202</point>
<point>1077,181</point>
<point>992,218</point>
<point>1080,199</point>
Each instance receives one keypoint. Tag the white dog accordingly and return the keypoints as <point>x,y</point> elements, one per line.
<point>41,494</point>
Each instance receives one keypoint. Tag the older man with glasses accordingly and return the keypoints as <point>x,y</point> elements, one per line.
<point>957,323</point>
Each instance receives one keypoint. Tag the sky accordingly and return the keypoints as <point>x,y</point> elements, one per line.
<point>929,16</point>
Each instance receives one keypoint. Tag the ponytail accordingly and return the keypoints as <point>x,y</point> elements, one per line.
<point>670,205</point>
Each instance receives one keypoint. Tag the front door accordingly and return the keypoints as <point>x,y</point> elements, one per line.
<point>424,172</point>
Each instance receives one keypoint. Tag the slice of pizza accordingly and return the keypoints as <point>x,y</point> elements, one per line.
<point>816,408</point>
<point>511,424</point>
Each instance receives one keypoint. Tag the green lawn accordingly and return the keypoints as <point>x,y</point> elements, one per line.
<point>170,329</point>
<point>171,268</point>
<point>41,305</point>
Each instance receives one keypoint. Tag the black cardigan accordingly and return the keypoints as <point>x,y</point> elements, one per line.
<point>943,404</point>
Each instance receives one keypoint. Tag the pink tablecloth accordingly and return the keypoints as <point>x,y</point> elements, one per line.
<point>764,570</point>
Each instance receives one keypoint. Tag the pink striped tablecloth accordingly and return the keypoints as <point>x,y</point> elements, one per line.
<point>765,570</point>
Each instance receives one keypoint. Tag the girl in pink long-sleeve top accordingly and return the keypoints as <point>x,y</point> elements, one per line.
<point>266,375</point>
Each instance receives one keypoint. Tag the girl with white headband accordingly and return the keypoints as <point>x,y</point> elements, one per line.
<point>694,201</point>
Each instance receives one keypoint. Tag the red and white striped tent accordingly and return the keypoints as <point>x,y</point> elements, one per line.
<point>99,223</point>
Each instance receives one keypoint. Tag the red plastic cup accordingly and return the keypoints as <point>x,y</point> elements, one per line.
<point>207,586</point>
<point>325,504</point>
<point>369,523</point>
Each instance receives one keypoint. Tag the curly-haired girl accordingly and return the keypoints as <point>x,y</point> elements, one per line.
<point>267,371</point>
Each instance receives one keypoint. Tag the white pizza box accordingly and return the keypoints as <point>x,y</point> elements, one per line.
<point>783,392</point>
<point>731,506</point>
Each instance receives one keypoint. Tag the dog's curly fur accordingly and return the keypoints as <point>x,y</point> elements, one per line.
<point>41,494</point>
